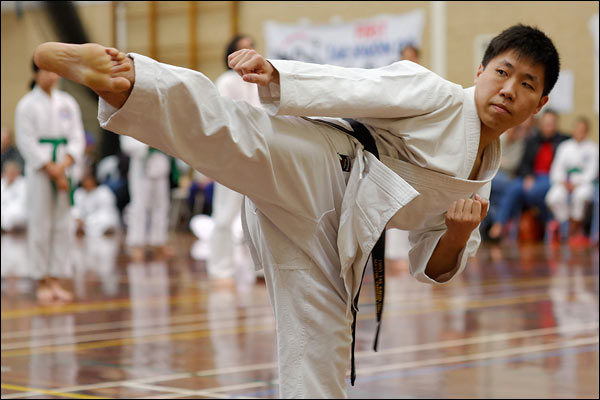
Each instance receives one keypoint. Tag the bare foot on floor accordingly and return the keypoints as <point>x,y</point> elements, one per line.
<point>61,293</point>
<point>44,294</point>
<point>89,64</point>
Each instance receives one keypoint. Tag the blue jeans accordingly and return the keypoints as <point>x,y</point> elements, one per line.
<point>500,184</point>
<point>515,198</point>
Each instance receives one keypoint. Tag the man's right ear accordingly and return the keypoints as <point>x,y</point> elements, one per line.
<point>479,72</point>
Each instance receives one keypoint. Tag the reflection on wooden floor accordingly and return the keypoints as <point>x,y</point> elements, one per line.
<point>522,321</point>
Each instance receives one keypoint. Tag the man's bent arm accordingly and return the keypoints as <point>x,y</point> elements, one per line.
<point>399,90</point>
<point>445,256</point>
<point>462,218</point>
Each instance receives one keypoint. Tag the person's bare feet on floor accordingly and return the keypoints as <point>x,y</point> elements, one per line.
<point>163,252</point>
<point>495,231</point>
<point>59,292</point>
<point>137,253</point>
<point>44,293</point>
<point>89,64</point>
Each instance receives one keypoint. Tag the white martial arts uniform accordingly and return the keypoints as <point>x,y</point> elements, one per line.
<point>97,209</point>
<point>578,163</point>
<point>14,200</point>
<point>40,118</point>
<point>227,204</point>
<point>310,224</point>
<point>150,194</point>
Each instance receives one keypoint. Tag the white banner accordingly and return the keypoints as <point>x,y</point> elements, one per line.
<point>365,43</point>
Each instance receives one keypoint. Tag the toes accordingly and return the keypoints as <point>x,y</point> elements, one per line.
<point>120,84</point>
<point>111,51</point>
<point>119,68</point>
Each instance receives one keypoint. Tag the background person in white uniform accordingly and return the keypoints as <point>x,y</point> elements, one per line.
<point>95,207</point>
<point>311,223</point>
<point>572,176</point>
<point>227,204</point>
<point>50,137</point>
<point>147,215</point>
<point>14,211</point>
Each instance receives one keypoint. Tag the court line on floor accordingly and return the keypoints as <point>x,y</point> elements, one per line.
<point>479,356</point>
<point>497,337</point>
<point>46,391</point>
<point>209,392</point>
<point>126,303</point>
<point>132,341</point>
<point>360,355</point>
<point>442,368</point>
<point>104,326</point>
<point>138,333</point>
<point>472,304</point>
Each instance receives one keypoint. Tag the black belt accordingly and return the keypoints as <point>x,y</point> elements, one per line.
<point>362,134</point>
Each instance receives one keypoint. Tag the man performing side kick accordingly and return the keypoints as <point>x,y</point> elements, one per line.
<point>316,202</point>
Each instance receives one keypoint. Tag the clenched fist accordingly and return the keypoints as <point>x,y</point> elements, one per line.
<point>253,67</point>
<point>464,216</point>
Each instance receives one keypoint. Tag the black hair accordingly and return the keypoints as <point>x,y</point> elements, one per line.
<point>549,110</point>
<point>528,42</point>
<point>232,47</point>
<point>35,70</point>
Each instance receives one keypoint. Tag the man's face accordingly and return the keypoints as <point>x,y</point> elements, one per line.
<point>410,54</point>
<point>580,132</point>
<point>548,125</point>
<point>89,183</point>
<point>46,79</point>
<point>245,43</point>
<point>508,91</point>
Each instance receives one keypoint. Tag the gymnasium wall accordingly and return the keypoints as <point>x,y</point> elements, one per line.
<point>565,22</point>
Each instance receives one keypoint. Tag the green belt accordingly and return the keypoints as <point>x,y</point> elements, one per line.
<point>55,142</point>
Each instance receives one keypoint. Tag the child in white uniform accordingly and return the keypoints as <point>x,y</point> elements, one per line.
<point>316,201</point>
<point>50,137</point>
<point>95,208</point>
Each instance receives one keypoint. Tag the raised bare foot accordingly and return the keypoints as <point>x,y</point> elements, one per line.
<point>89,64</point>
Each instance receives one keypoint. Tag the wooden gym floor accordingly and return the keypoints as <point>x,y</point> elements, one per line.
<point>520,322</point>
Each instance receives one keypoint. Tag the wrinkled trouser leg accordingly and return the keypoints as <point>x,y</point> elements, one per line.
<point>48,228</point>
<point>298,252</point>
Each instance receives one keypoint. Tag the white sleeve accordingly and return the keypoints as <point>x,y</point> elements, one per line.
<point>590,168</point>
<point>558,174</point>
<point>424,241</point>
<point>75,135</point>
<point>402,89</point>
<point>27,139</point>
